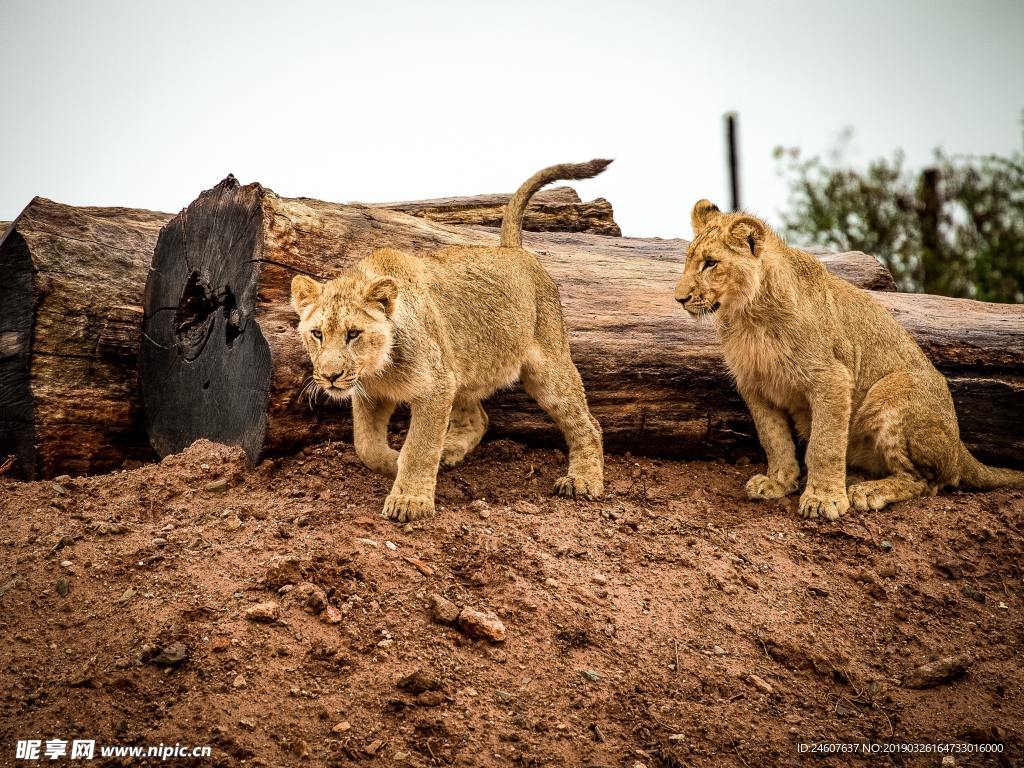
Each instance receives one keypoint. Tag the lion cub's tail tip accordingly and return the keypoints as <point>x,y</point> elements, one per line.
<point>587,170</point>
<point>512,221</point>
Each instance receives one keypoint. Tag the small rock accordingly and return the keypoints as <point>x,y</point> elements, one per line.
<point>549,582</point>
<point>369,543</point>
<point>311,597</point>
<point>66,564</point>
<point>524,507</point>
<point>442,610</point>
<point>249,725</point>
<point>677,737</point>
<point>761,684</point>
<point>969,591</point>
<point>886,545</point>
<point>718,650</point>
<point>172,655</point>
<point>281,571</point>
<point>301,749</point>
<point>938,672</point>
<point>479,624</point>
<point>341,727</point>
<point>238,682</point>
<point>220,644</point>
<point>216,486</point>
<point>599,578</point>
<point>591,675</point>
<point>233,522</point>
<point>265,613</point>
<point>419,565</point>
<point>331,615</point>
<point>159,542</point>
<point>419,681</point>
<point>374,746</point>
<point>503,696</point>
<point>391,545</point>
<point>479,505</point>
<point>63,587</point>
<point>127,595</point>
<point>430,699</point>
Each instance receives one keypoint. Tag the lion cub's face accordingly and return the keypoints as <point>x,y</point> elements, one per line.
<point>346,327</point>
<point>723,263</point>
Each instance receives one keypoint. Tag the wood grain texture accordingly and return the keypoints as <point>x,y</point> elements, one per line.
<point>655,379</point>
<point>70,313</point>
<point>552,210</point>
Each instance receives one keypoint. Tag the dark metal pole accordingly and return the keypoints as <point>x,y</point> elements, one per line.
<point>731,119</point>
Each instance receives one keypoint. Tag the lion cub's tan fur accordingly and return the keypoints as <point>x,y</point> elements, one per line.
<point>810,349</point>
<point>442,332</point>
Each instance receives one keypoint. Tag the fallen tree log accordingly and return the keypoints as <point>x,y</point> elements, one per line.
<point>552,210</point>
<point>70,311</point>
<point>70,314</point>
<point>221,359</point>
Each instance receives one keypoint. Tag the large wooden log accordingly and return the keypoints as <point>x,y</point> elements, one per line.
<point>552,210</point>
<point>221,358</point>
<point>70,311</point>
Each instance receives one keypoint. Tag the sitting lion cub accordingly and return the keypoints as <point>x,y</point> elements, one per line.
<point>442,333</point>
<point>808,348</point>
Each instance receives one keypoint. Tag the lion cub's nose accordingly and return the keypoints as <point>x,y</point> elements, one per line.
<point>332,377</point>
<point>684,299</point>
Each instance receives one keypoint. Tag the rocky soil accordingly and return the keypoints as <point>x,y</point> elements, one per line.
<point>272,614</point>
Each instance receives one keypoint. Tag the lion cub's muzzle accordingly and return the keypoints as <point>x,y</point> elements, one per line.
<point>699,307</point>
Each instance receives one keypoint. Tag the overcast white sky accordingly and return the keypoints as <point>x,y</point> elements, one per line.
<point>145,104</point>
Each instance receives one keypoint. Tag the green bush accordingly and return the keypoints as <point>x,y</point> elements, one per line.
<point>955,228</point>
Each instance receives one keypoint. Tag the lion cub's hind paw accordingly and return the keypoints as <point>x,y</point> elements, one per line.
<point>578,487</point>
<point>867,497</point>
<point>404,509</point>
<point>764,487</point>
<point>452,457</point>
<point>819,503</point>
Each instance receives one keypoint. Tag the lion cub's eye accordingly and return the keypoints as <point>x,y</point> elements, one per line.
<point>352,334</point>
<point>317,334</point>
<point>708,264</point>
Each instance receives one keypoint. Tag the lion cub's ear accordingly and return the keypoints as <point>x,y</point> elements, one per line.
<point>382,291</point>
<point>704,212</point>
<point>305,290</point>
<point>748,232</point>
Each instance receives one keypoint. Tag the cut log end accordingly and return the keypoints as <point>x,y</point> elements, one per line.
<point>205,363</point>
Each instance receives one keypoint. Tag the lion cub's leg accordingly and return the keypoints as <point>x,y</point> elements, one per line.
<point>776,438</point>
<point>466,428</point>
<point>825,493</point>
<point>913,435</point>
<point>370,435</point>
<point>875,494</point>
<point>412,495</point>
<point>554,382</point>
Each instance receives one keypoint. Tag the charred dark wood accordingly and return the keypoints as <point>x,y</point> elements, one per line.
<point>70,313</point>
<point>221,358</point>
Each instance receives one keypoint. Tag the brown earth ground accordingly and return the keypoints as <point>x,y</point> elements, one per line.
<point>673,623</point>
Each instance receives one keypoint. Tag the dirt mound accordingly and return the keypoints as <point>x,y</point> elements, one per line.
<point>273,615</point>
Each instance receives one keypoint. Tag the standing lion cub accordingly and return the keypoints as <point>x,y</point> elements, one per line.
<point>808,348</point>
<point>441,333</point>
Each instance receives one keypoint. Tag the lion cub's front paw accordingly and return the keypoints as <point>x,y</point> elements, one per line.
<point>404,509</point>
<point>764,487</point>
<point>579,487</point>
<point>817,501</point>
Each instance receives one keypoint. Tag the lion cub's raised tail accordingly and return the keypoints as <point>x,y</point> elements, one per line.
<point>974,474</point>
<point>512,222</point>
